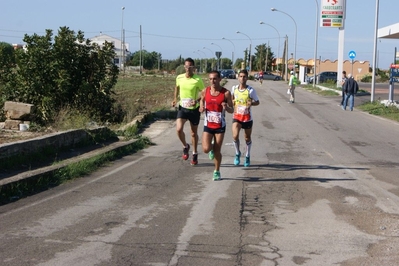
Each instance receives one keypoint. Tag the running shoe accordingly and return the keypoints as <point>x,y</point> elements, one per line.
<point>211,155</point>
<point>247,161</point>
<point>185,152</point>
<point>237,159</point>
<point>216,176</point>
<point>194,160</point>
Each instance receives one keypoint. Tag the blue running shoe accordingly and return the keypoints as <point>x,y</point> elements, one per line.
<point>237,159</point>
<point>216,176</point>
<point>247,161</point>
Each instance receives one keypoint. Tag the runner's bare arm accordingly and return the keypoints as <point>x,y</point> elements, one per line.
<point>175,96</point>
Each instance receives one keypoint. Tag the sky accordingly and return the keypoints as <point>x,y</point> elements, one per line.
<point>196,28</point>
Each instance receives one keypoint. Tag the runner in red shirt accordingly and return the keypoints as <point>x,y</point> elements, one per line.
<point>215,100</point>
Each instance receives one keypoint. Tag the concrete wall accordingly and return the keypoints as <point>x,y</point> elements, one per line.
<point>54,140</point>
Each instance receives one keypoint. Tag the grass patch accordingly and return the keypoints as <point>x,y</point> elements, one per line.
<point>379,109</point>
<point>319,91</point>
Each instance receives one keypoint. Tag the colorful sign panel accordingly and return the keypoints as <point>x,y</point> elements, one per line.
<point>332,13</point>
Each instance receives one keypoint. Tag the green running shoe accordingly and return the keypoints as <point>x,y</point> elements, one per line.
<point>216,176</point>
<point>211,155</point>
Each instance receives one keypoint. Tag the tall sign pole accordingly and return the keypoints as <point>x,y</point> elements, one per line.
<point>333,16</point>
<point>375,50</point>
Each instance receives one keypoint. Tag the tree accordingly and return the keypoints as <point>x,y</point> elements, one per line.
<point>148,60</point>
<point>263,54</point>
<point>68,71</point>
<point>7,61</point>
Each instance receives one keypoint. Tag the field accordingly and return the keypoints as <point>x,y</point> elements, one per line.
<point>144,94</point>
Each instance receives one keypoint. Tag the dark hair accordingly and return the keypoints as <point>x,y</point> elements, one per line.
<point>215,72</point>
<point>344,72</point>
<point>244,71</point>
<point>189,59</point>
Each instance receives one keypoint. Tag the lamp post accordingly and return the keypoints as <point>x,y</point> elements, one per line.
<point>121,64</point>
<point>250,45</point>
<point>278,53</point>
<point>219,59</point>
<point>206,60</point>
<point>199,59</point>
<point>315,43</point>
<point>209,51</point>
<point>296,31</point>
<point>232,54</point>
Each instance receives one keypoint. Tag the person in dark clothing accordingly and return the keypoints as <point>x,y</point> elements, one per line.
<point>350,88</point>
<point>344,78</point>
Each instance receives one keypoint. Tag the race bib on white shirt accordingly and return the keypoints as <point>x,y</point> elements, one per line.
<point>214,117</point>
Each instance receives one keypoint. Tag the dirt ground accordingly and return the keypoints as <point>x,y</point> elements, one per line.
<point>8,136</point>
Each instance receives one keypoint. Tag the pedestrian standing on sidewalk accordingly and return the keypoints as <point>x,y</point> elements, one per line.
<point>215,100</point>
<point>350,88</point>
<point>188,87</point>
<point>291,85</point>
<point>344,78</point>
<point>244,97</point>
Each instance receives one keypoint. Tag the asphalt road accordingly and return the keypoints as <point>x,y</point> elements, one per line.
<point>322,189</point>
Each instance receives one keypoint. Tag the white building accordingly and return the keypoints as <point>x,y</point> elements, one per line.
<point>121,48</point>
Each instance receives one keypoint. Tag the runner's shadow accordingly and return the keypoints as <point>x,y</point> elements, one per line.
<point>293,167</point>
<point>297,179</point>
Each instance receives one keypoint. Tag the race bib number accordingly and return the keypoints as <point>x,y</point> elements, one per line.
<point>214,117</point>
<point>241,109</point>
<point>186,103</point>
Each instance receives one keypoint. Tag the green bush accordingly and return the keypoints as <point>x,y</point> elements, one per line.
<point>366,78</point>
<point>67,70</point>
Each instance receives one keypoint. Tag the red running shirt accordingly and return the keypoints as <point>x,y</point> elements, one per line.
<point>214,112</point>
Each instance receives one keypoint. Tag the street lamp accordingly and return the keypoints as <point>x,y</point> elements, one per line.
<point>296,32</point>
<point>221,50</point>
<point>232,54</point>
<point>250,45</point>
<point>121,64</point>
<point>315,43</point>
<point>206,60</point>
<point>278,53</point>
<point>209,51</point>
<point>199,59</point>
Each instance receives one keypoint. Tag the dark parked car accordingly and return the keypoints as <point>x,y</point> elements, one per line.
<point>228,73</point>
<point>324,77</point>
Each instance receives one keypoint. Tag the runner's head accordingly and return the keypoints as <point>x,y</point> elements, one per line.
<point>189,66</point>
<point>243,77</point>
<point>214,78</point>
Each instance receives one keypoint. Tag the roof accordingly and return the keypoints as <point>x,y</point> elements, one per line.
<point>389,32</point>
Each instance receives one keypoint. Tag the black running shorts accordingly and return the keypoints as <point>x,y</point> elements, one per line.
<point>192,115</point>
<point>244,125</point>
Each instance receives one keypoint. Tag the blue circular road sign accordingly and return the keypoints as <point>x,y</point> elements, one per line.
<point>352,54</point>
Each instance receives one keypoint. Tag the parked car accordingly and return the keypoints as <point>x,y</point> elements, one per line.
<point>270,76</point>
<point>267,76</point>
<point>324,77</point>
<point>228,73</point>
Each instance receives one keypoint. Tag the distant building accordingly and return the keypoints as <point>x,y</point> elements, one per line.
<point>17,46</point>
<point>121,49</point>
